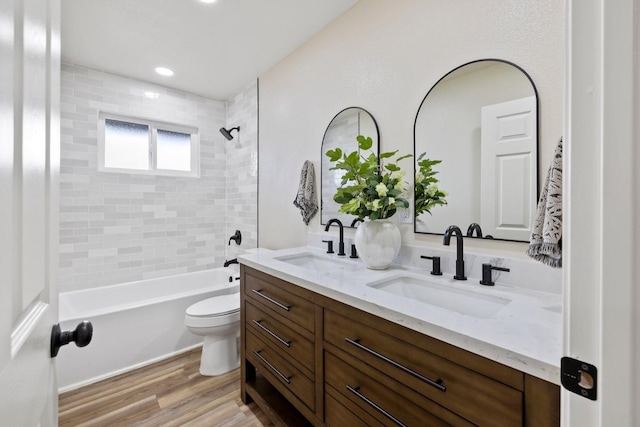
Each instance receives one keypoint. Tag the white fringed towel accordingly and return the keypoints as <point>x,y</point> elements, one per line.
<point>306,197</point>
<point>546,235</point>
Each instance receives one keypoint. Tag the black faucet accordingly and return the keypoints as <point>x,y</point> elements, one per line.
<point>341,243</point>
<point>355,221</point>
<point>231,261</point>
<point>474,227</point>
<point>454,229</point>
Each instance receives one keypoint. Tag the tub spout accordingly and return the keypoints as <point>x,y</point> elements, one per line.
<point>231,261</point>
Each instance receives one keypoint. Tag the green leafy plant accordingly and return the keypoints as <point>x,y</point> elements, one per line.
<point>370,188</point>
<point>427,193</point>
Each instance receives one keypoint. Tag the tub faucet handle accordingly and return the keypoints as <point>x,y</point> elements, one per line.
<point>237,237</point>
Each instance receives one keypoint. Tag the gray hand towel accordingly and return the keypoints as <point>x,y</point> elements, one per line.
<point>306,197</point>
<point>546,234</point>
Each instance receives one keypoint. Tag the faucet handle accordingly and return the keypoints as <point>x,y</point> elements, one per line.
<point>486,274</point>
<point>435,268</point>
<point>354,251</point>
<point>329,246</point>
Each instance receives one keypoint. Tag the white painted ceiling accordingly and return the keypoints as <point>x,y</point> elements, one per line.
<point>215,49</point>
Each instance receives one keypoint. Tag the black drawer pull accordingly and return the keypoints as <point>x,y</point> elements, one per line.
<point>273,368</point>
<point>270,332</point>
<point>437,384</point>
<point>271,300</point>
<point>374,405</point>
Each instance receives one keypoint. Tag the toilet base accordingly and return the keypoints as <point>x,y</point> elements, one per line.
<point>220,354</point>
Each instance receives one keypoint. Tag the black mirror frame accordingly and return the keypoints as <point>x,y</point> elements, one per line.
<point>415,123</point>
<point>323,155</point>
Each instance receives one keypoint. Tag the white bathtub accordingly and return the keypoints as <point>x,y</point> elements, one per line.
<point>134,324</point>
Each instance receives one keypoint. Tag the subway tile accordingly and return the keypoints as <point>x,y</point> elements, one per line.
<point>136,226</point>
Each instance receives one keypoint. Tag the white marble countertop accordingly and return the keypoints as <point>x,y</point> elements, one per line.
<point>525,334</point>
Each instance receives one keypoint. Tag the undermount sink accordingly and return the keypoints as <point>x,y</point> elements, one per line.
<point>440,295</point>
<point>316,262</point>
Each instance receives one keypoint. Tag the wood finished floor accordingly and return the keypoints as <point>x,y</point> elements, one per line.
<point>168,393</point>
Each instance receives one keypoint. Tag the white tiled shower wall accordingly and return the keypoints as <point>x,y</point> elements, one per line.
<point>117,228</point>
<point>242,169</point>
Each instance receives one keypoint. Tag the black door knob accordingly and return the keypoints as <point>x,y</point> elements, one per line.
<point>82,336</point>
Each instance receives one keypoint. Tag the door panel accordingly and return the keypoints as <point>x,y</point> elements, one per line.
<point>29,169</point>
<point>508,168</point>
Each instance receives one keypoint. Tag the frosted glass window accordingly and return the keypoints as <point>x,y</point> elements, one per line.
<point>147,147</point>
<point>126,145</point>
<point>173,150</point>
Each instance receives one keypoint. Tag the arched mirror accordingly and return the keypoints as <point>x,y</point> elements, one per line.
<point>341,133</point>
<point>481,121</point>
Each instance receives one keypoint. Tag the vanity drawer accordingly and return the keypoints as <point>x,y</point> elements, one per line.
<point>277,334</point>
<point>388,401</point>
<point>473,396</point>
<point>280,373</point>
<point>336,414</point>
<point>269,291</point>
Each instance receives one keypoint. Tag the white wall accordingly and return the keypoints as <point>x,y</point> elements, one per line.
<point>384,56</point>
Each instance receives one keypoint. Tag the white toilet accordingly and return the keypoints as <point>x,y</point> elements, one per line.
<point>218,320</point>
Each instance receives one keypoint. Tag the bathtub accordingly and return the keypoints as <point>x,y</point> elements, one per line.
<point>134,324</point>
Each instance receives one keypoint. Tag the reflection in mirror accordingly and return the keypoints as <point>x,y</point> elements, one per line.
<point>341,133</point>
<point>481,120</point>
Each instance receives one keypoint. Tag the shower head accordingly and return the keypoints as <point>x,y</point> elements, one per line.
<point>227,133</point>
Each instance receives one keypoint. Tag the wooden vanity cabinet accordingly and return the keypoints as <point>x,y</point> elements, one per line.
<point>281,343</point>
<point>346,367</point>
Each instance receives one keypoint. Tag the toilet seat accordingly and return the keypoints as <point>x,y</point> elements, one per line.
<point>215,306</point>
<point>214,311</point>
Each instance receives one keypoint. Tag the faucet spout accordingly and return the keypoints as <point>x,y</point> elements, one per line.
<point>341,243</point>
<point>355,221</point>
<point>455,230</point>
<point>474,227</point>
<point>231,261</point>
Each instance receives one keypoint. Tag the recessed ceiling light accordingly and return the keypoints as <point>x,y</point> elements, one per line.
<point>151,94</point>
<point>164,71</point>
<point>208,1</point>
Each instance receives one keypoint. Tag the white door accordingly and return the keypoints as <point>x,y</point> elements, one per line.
<point>508,153</point>
<point>29,169</point>
<point>602,225</point>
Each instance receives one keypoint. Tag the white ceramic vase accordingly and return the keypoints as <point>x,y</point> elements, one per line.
<point>378,243</point>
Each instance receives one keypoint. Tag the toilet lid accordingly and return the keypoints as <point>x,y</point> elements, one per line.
<point>215,306</point>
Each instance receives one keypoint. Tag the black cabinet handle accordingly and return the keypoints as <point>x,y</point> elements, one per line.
<point>271,300</point>
<point>437,383</point>
<point>270,332</point>
<point>371,403</point>
<point>273,368</point>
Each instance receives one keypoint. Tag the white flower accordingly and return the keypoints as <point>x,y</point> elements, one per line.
<point>419,177</point>
<point>392,201</point>
<point>381,189</point>
<point>432,190</point>
<point>398,174</point>
<point>376,204</point>
<point>399,186</point>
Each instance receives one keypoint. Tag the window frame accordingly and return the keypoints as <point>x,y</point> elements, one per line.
<point>153,126</point>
